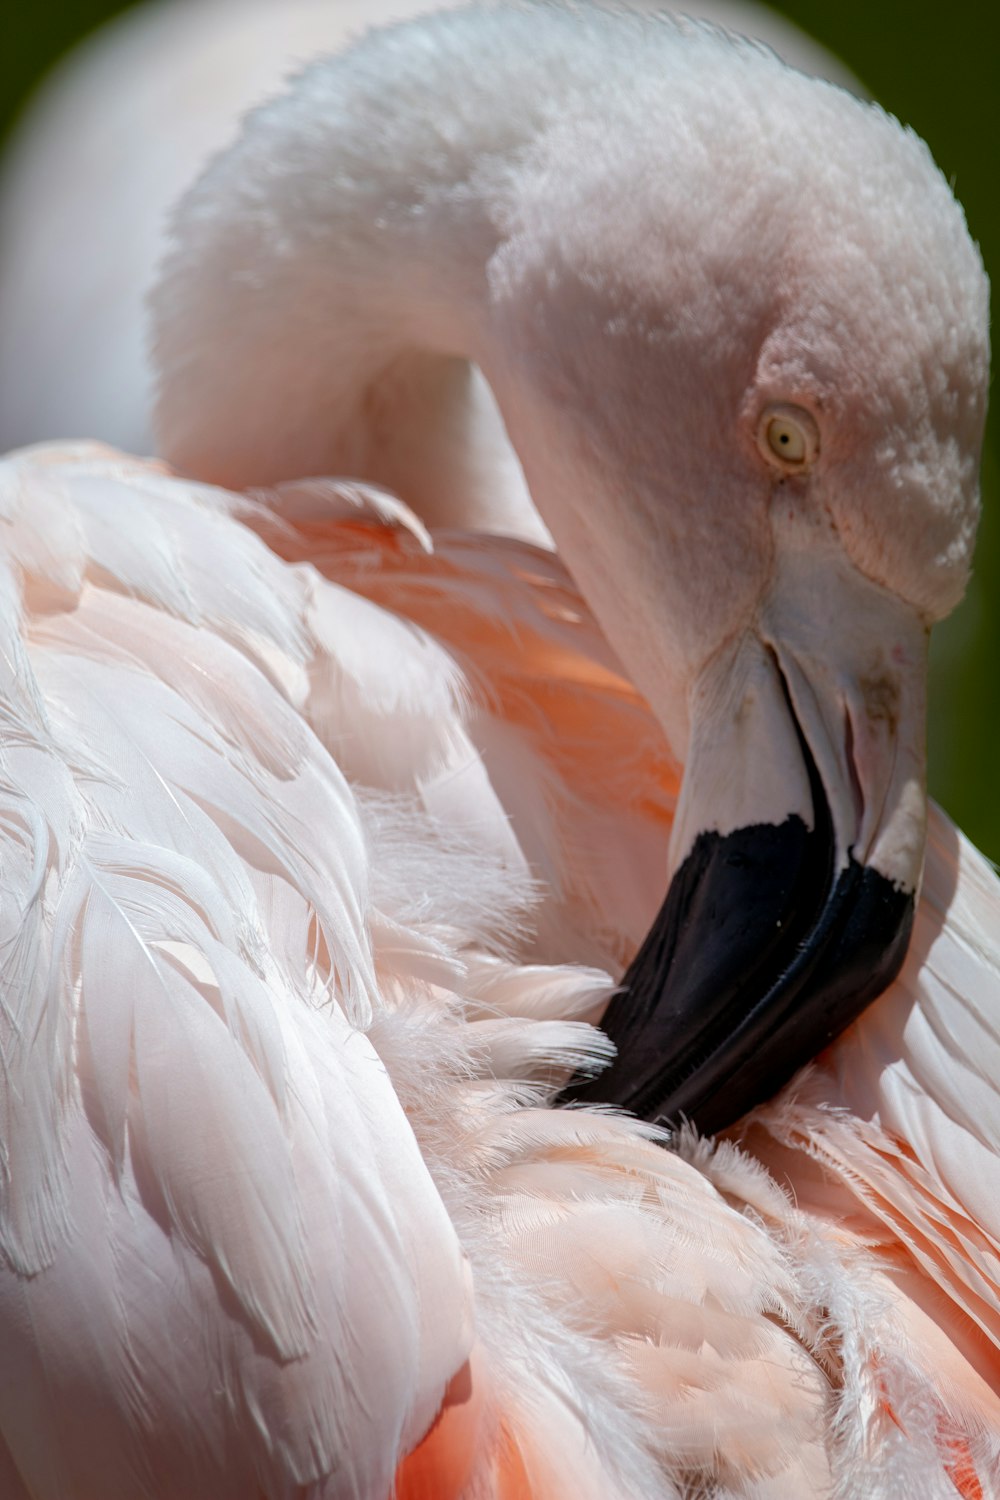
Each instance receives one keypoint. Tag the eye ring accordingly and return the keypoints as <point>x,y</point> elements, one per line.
<point>788,437</point>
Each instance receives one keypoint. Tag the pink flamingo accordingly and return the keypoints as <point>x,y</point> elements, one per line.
<point>322,833</point>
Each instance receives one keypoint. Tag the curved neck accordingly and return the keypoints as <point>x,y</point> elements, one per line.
<point>324,306</point>
<point>407,211</point>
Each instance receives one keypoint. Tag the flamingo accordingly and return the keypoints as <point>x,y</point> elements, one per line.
<point>330,826</point>
<point>121,129</point>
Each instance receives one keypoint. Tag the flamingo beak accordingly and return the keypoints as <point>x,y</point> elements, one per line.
<point>796,855</point>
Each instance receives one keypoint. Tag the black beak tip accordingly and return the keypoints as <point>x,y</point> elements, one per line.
<point>760,956</point>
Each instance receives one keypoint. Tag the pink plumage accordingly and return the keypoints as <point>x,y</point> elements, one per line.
<point>326,836</point>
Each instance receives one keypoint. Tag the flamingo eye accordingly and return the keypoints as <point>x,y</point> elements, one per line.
<point>788,435</point>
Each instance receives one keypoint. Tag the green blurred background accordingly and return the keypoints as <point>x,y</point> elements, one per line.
<point>936,66</point>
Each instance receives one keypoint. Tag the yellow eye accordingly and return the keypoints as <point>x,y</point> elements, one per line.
<point>789,435</point>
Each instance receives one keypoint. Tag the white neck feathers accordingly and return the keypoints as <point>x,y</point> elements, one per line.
<point>325,297</point>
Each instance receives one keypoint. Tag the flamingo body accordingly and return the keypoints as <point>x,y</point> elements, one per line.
<point>261,965</point>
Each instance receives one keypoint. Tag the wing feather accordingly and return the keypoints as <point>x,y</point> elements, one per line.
<point>225,1268</point>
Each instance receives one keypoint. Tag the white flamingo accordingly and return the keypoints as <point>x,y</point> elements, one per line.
<point>308,825</point>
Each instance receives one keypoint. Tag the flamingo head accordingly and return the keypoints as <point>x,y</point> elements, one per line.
<point>741,337</point>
